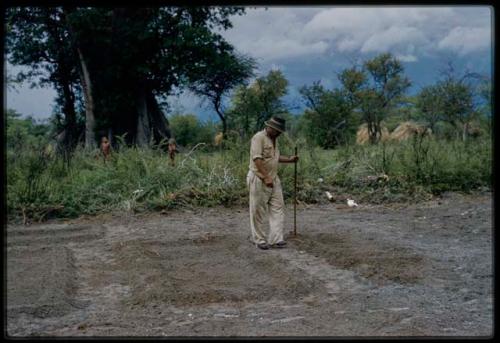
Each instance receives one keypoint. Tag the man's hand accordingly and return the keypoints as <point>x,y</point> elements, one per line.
<point>294,158</point>
<point>268,181</point>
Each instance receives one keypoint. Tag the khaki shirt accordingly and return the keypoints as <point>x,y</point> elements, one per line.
<point>262,147</point>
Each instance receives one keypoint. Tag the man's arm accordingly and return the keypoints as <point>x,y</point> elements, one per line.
<point>256,148</point>
<point>290,159</point>
<point>260,167</point>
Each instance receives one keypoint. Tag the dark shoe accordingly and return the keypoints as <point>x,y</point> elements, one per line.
<point>280,244</point>
<point>263,246</point>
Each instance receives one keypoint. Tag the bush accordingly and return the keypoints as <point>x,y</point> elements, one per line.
<point>188,130</point>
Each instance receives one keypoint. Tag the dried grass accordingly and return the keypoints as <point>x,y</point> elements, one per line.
<point>363,137</point>
<point>408,129</point>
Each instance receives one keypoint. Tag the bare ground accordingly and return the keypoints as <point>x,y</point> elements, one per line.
<point>375,270</point>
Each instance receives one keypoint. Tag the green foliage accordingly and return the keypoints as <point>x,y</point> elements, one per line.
<point>455,100</point>
<point>149,52</point>
<point>188,130</point>
<point>375,89</point>
<point>253,105</point>
<point>224,71</point>
<point>430,103</point>
<point>134,56</point>
<point>485,92</point>
<point>329,120</point>
<point>40,186</point>
<point>20,133</point>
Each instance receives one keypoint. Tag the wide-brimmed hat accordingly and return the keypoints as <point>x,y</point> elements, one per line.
<point>276,123</point>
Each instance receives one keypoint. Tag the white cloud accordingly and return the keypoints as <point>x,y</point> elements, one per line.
<point>410,32</point>
<point>393,37</point>
<point>464,40</point>
<point>347,44</point>
<point>270,49</point>
<point>273,33</point>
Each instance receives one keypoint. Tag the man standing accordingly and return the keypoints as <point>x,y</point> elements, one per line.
<point>266,194</point>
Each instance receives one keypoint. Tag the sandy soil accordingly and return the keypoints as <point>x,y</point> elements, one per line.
<point>374,270</point>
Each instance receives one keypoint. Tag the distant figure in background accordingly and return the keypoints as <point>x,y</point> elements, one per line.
<point>218,139</point>
<point>172,149</point>
<point>105,149</point>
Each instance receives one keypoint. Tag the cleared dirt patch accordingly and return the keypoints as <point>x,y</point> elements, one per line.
<point>178,273</point>
<point>401,270</point>
<point>379,262</point>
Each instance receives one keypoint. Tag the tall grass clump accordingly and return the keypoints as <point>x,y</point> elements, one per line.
<point>41,185</point>
<point>31,191</point>
<point>415,168</point>
<point>134,179</point>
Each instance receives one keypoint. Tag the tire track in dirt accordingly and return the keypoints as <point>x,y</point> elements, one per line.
<point>49,283</point>
<point>44,276</point>
<point>335,280</point>
<point>56,234</point>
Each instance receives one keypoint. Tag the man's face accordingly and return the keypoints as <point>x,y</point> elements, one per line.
<point>272,132</point>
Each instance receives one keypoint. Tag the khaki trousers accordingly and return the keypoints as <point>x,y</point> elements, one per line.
<point>263,201</point>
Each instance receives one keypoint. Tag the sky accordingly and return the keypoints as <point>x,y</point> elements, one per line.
<point>314,43</point>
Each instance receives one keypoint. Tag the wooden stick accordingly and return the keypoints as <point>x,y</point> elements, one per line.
<point>295,198</point>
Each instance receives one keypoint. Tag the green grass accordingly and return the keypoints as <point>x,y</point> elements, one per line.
<point>40,186</point>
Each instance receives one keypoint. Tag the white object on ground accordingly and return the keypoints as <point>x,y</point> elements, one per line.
<point>320,180</point>
<point>329,195</point>
<point>351,203</point>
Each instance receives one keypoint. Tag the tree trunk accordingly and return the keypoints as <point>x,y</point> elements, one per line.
<point>86,85</point>
<point>110,136</point>
<point>89,104</point>
<point>143,127</point>
<point>465,131</point>
<point>71,135</point>
<point>67,139</point>
<point>372,131</point>
<point>159,123</point>
<point>224,125</point>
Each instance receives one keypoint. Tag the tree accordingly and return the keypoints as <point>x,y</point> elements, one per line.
<point>254,104</point>
<point>37,37</point>
<point>429,102</point>
<point>457,104</point>
<point>227,71</point>
<point>328,115</point>
<point>86,82</point>
<point>167,49</point>
<point>485,90</point>
<point>460,97</point>
<point>375,89</point>
<point>123,61</point>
